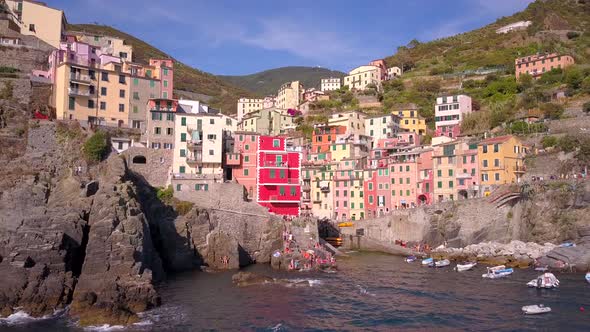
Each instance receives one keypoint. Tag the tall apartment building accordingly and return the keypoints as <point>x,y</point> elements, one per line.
<point>360,77</point>
<point>449,112</point>
<point>159,133</point>
<point>330,84</point>
<point>143,87</point>
<point>164,72</point>
<point>268,121</point>
<point>279,176</point>
<point>537,65</point>
<point>318,177</point>
<point>37,19</point>
<point>242,161</point>
<point>248,105</point>
<point>380,63</point>
<point>381,126</point>
<point>290,95</point>
<point>107,45</point>
<point>354,121</point>
<point>200,133</point>
<point>348,192</point>
<point>501,161</point>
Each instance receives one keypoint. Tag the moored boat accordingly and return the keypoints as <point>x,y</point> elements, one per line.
<point>410,259</point>
<point>535,309</point>
<point>465,266</point>
<point>441,263</point>
<point>497,272</point>
<point>588,277</point>
<point>546,280</point>
<point>427,261</point>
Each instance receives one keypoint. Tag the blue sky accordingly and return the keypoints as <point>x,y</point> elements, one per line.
<point>241,37</point>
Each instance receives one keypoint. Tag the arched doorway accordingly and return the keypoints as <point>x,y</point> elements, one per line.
<point>463,194</point>
<point>422,199</point>
<point>139,160</point>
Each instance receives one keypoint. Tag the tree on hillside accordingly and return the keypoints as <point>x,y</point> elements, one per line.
<point>96,148</point>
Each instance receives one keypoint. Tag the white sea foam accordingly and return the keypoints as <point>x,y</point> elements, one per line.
<point>105,328</point>
<point>364,291</point>
<point>310,282</point>
<point>20,317</point>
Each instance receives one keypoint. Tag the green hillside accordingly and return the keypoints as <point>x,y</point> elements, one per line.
<point>224,95</point>
<point>268,82</point>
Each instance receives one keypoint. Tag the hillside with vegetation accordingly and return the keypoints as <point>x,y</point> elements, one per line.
<point>268,82</point>
<point>480,63</point>
<point>223,94</point>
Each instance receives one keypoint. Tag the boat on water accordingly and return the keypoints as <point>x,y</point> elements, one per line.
<point>427,261</point>
<point>546,280</point>
<point>441,263</point>
<point>567,245</point>
<point>465,266</point>
<point>496,272</point>
<point>410,259</point>
<point>542,268</point>
<point>588,277</point>
<point>535,309</point>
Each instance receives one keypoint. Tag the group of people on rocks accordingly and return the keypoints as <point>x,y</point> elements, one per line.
<point>417,247</point>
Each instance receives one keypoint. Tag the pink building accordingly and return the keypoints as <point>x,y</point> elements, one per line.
<point>537,65</point>
<point>242,161</point>
<point>425,178</point>
<point>165,74</point>
<point>467,171</point>
<point>370,188</point>
<point>449,112</point>
<point>381,64</point>
<point>73,52</point>
<point>278,176</point>
<point>341,195</point>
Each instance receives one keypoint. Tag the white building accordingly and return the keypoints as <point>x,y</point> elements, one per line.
<point>360,77</point>
<point>393,72</point>
<point>381,126</point>
<point>449,112</point>
<point>520,25</point>
<point>330,84</point>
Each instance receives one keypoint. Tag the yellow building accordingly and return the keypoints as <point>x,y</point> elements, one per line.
<point>444,162</point>
<point>318,180</point>
<point>36,19</point>
<point>91,94</point>
<point>411,120</point>
<point>501,161</point>
<point>360,77</point>
<point>290,95</point>
<point>354,122</point>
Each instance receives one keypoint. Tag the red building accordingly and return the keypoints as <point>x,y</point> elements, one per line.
<point>278,176</point>
<point>324,136</point>
<point>166,76</point>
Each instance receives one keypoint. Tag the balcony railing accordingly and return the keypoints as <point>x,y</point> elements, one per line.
<point>78,92</point>
<point>192,160</point>
<point>270,163</point>
<point>80,78</point>
<point>278,181</point>
<point>194,144</point>
<point>519,169</point>
<point>161,109</point>
<point>306,188</point>
<point>325,189</point>
<point>306,199</point>
<point>233,159</point>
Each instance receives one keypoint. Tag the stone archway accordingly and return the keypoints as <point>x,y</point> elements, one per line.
<point>139,159</point>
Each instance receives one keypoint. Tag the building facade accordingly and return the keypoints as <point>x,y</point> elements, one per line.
<point>363,76</point>
<point>410,120</point>
<point>37,19</point>
<point>330,84</point>
<point>354,121</point>
<point>381,126</point>
<point>449,112</point>
<point>268,121</point>
<point>537,65</point>
<point>501,161</point>
<point>290,95</point>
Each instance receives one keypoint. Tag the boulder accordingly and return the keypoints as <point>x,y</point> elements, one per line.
<point>242,279</point>
<point>222,251</point>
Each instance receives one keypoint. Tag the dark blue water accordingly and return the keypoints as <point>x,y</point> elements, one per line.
<point>370,292</point>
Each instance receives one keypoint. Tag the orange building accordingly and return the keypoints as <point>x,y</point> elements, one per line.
<point>324,136</point>
<point>537,65</point>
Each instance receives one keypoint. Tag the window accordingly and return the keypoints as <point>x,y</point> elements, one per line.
<point>496,162</point>
<point>103,91</point>
<point>450,172</point>
<point>121,93</point>
<point>282,174</point>
<point>246,159</point>
<point>165,71</point>
<point>183,137</point>
<point>485,148</point>
<point>169,131</point>
<point>272,174</point>
<point>370,186</point>
<point>165,95</point>
<point>72,103</point>
<point>103,105</point>
<point>484,177</point>
<point>32,27</point>
<point>104,76</point>
<point>170,117</point>
<point>211,136</point>
<point>136,81</point>
<point>496,147</point>
<point>497,176</point>
<point>136,95</point>
<point>361,195</point>
<point>276,143</point>
<point>122,79</point>
<point>211,152</point>
<point>121,107</point>
<point>450,184</point>
<point>179,187</point>
<point>212,121</point>
<point>485,163</point>
<point>157,130</point>
<point>165,83</point>
<point>246,147</point>
<point>439,184</point>
<point>182,169</point>
<point>182,152</point>
<point>152,84</point>
<point>371,199</point>
<point>90,103</point>
<point>439,173</point>
<point>183,121</point>
<point>246,172</point>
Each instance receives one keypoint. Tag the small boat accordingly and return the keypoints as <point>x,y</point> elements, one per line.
<point>588,277</point>
<point>497,272</point>
<point>442,263</point>
<point>546,280</point>
<point>542,268</point>
<point>465,266</point>
<point>427,261</point>
<point>567,244</point>
<point>535,309</point>
<point>410,259</point>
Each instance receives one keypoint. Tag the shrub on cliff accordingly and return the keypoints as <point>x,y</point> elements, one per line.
<point>96,148</point>
<point>549,141</point>
<point>165,194</point>
<point>183,207</point>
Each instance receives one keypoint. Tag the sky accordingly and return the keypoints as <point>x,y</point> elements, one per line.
<point>239,37</point>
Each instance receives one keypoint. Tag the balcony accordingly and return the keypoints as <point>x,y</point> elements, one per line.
<point>191,129</point>
<point>194,160</point>
<point>306,188</point>
<point>278,199</point>
<point>162,109</point>
<point>233,159</point>
<point>325,189</point>
<point>274,164</point>
<point>519,169</point>
<point>279,182</point>
<point>79,78</point>
<point>306,199</point>
<point>194,144</point>
<point>78,92</point>
<point>317,201</point>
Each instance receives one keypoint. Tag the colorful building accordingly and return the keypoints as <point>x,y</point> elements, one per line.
<point>107,45</point>
<point>411,120</point>
<point>449,112</point>
<point>268,121</point>
<point>456,171</point>
<point>242,163</point>
<point>37,19</point>
<point>501,161</point>
<point>249,105</point>
<point>164,72</point>
<point>381,126</point>
<point>279,176</point>
<point>159,132</point>
<point>538,64</point>
<point>323,137</point>
<point>290,95</point>
<point>354,121</point>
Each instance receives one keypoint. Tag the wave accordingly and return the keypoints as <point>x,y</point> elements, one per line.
<point>20,317</point>
<point>310,282</point>
<point>105,328</point>
<point>364,291</point>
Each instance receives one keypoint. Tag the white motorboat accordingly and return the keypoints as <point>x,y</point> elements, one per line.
<point>588,277</point>
<point>546,280</point>
<point>442,263</point>
<point>496,272</point>
<point>465,266</point>
<point>535,309</point>
<point>427,261</point>
<point>411,259</point>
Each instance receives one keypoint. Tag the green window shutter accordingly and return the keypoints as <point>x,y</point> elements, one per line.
<point>392,180</point>
<point>165,84</point>
<point>206,187</point>
<point>136,81</point>
<point>333,147</point>
<point>183,137</point>
<point>293,191</point>
<point>439,184</point>
<point>272,174</point>
<point>360,194</point>
<point>246,159</point>
<point>407,193</point>
<point>182,169</point>
<point>183,121</point>
<point>450,172</point>
<point>182,152</point>
<point>282,191</point>
<point>393,193</point>
<point>282,174</point>
<point>439,173</point>
<point>279,160</point>
<point>371,199</point>
<point>351,194</point>
<point>152,84</point>
<point>246,172</point>
<point>450,184</point>
<point>178,187</point>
